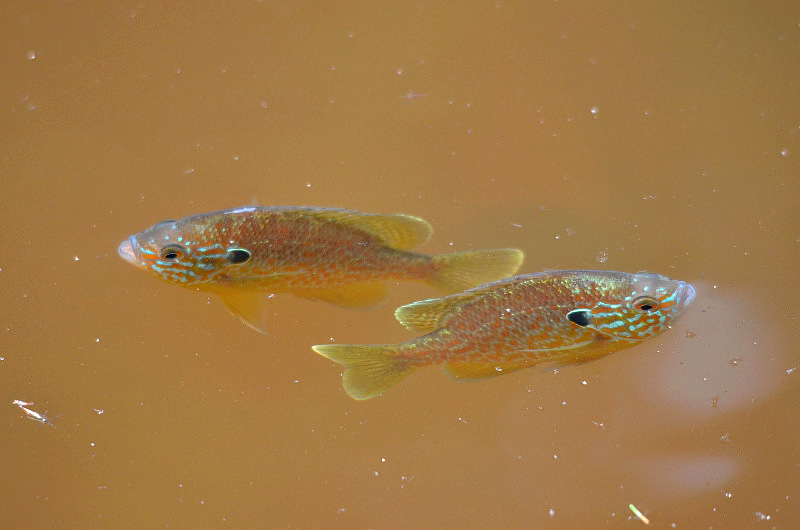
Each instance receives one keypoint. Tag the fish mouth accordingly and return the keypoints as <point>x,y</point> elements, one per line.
<point>688,294</point>
<point>129,250</point>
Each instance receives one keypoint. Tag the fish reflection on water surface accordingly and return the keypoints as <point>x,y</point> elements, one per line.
<point>344,257</point>
<point>558,317</point>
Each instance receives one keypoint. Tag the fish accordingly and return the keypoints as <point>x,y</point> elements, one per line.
<point>344,257</point>
<point>555,318</point>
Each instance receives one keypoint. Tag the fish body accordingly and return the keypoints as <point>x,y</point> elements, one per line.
<point>558,317</point>
<point>341,256</point>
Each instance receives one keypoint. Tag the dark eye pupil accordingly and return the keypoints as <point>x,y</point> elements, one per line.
<point>238,255</point>
<point>170,255</point>
<point>645,307</point>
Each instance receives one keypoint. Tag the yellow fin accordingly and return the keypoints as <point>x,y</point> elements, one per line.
<point>429,315</point>
<point>250,307</point>
<point>426,315</point>
<point>362,295</point>
<point>465,371</point>
<point>398,231</point>
<point>368,370</point>
<point>465,270</point>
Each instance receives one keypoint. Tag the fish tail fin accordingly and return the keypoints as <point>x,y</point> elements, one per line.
<point>368,370</point>
<point>465,270</point>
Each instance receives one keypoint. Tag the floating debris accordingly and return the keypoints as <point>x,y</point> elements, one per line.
<point>32,414</point>
<point>639,514</point>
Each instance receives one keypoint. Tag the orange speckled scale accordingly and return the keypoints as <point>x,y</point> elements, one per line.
<point>557,317</point>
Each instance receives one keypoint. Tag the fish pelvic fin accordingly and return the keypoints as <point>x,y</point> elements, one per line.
<point>368,370</point>
<point>251,308</point>
<point>464,270</point>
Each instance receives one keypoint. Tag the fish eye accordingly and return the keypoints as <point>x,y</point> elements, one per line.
<point>172,253</point>
<point>238,255</point>
<point>579,317</point>
<point>645,304</point>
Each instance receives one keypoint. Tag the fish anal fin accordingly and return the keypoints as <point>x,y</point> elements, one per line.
<point>362,295</point>
<point>466,371</point>
<point>398,231</point>
<point>251,308</point>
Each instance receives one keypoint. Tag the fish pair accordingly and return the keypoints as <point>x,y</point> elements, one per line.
<point>490,324</point>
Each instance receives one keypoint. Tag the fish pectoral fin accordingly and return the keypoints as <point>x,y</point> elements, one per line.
<point>466,372</point>
<point>362,295</point>
<point>250,307</point>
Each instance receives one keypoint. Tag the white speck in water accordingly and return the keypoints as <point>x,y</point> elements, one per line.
<point>97,339</point>
<point>555,457</point>
<point>602,256</point>
<point>399,71</point>
<point>552,512</point>
<point>594,110</point>
<point>728,494</point>
<point>31,55</point>
<point>76,258</point>
<point>763,516</point>
<point>785,152</point>
<point>308,184</point>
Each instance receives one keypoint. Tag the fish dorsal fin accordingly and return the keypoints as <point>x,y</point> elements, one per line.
<point>429,315</point>
<point>466,371</point>
<point>398,231</point>
<point>250,307</point>
<point>362,295</point>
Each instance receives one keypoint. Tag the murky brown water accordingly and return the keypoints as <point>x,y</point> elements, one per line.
<point>624,137</point>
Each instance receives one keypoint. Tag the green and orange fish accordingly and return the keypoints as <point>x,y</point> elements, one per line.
<point>340,256</point>
<point>559,318</point>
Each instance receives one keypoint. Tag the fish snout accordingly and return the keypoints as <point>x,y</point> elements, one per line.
<point>688,295</point>
<point>129,250</point>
